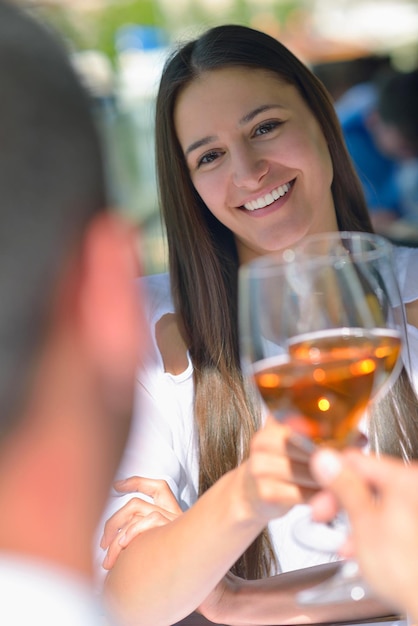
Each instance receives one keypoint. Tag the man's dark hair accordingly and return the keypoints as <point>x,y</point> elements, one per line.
<point>51,184</point>
<point>398,104</point>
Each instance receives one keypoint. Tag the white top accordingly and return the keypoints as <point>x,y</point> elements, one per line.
<point>163,444</point>
<point>36,594</point>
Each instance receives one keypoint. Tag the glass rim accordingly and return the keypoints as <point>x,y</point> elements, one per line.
<point>281,260</point>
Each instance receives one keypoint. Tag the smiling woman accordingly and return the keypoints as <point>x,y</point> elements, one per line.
<point>250,159</point>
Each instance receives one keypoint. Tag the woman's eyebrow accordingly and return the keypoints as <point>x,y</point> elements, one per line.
<point>199,143</point>
<point>244,120</point>
<point>261,109</point>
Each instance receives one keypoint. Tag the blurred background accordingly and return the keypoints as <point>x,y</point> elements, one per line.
<point>119,47</point>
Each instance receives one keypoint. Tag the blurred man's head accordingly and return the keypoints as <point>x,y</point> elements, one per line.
<point>395,122</point>
<point>68,317</point>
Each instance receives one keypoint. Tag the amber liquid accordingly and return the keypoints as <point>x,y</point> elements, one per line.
<point>385,345</point>
<point>323,388</point>
<point>387,353</point>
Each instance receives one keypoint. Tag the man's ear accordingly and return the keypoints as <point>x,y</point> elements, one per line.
<point>110,314</point>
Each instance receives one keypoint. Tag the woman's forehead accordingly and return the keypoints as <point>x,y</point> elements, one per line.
<point>234,87</point>
<point>236,74</point>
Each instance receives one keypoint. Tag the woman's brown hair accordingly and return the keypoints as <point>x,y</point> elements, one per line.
<point>203,260</point>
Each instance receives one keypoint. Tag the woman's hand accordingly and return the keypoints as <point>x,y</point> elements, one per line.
<point>276,476</point>
<point>137,515</point>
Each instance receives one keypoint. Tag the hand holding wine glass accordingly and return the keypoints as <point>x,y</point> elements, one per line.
<point>381,500</point>
<point>321,330</point>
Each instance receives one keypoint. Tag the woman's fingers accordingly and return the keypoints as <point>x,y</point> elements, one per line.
<point>283,440</point>
<point>137,525</point>
<point>141,524</point>
<point>277,473</point>
<point>275,452</point>
<point>122,517</point>
<point>163,501</point>
<point>137,515</point>
<point>158,490</point>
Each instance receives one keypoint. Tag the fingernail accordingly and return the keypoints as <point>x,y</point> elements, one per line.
<point>122,540</point>
<point>326,465</point>
<point>105,561</point>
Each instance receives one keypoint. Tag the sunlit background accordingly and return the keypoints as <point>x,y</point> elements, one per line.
<point>119,47</point>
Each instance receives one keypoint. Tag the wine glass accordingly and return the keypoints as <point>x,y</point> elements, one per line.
<point>321,330</point>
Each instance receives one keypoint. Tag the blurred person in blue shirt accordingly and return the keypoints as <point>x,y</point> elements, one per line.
<point>380,125</point>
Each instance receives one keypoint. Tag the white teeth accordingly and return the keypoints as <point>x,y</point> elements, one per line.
<point>268,199</point>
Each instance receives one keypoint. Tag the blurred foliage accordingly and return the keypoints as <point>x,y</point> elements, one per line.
<point>110,19</point>
<point>97,28</point>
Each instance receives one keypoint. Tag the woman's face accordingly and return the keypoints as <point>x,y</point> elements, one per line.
<point>257,157</point>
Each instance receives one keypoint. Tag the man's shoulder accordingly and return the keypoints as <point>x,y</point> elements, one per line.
<point>35,593</point>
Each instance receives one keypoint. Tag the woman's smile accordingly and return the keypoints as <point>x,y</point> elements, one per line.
<point>270,198</point>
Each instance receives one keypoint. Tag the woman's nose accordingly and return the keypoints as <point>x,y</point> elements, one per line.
<point>249,168</point>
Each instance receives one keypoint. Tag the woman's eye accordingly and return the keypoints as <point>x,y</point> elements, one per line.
<point>265,128</point>
<point>209,157</point>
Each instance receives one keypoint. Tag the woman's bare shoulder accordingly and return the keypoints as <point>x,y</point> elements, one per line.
<point>171,344</point>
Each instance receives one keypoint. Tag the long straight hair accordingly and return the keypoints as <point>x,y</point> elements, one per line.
<point>203,260</point>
